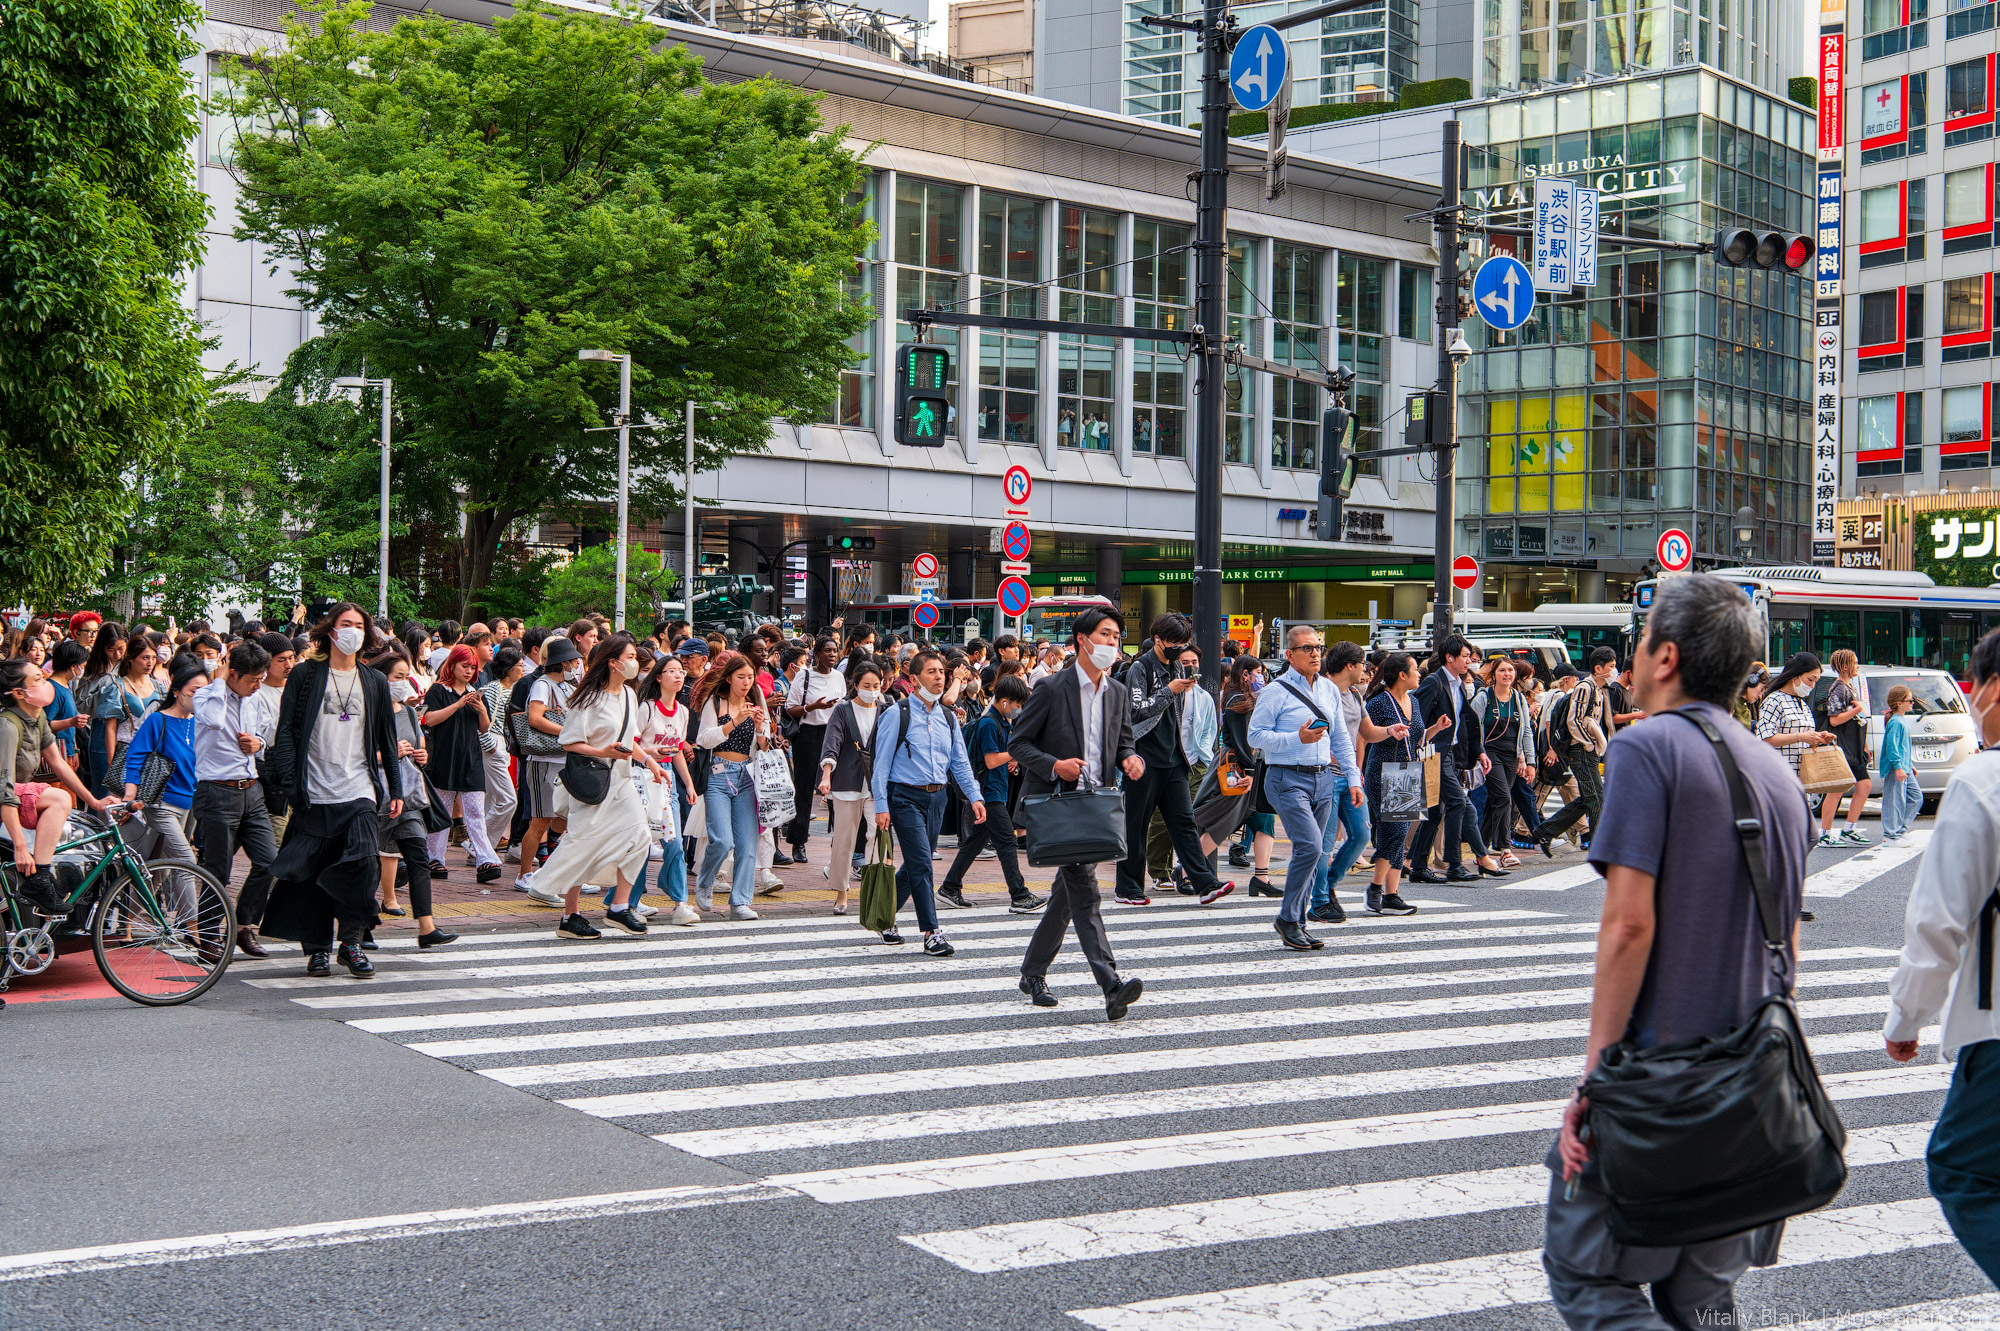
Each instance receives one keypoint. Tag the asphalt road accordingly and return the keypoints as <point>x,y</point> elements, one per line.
<point>789,1124</point>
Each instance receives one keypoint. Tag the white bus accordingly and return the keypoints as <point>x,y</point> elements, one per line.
<point>1582,626</point>
<point>1888,619</point>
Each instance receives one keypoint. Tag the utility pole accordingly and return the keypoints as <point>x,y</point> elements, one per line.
<point>1444,423</point>
<point>1210,325</point>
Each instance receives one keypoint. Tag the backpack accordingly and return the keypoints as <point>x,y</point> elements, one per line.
<point>1822,693</point>
<point>902,734</point>
<point>1555,720</point>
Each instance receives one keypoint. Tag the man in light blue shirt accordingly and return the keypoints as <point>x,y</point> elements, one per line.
<point>1308,755</point>
<point>911,770</point>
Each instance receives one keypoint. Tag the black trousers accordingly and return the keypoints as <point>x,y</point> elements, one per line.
<point>229,818</point>
<point>805,781</point>
<point>1074,898</point>
<point>1589,801</point>
<point>1452,816</point>
<point>1164,788</point>
<point>1497,828</point>
<point>998,832</point>
<point>519,827</point>
<point>417,860</point>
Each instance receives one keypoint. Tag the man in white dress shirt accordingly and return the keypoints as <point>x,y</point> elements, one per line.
<point>231,722</point>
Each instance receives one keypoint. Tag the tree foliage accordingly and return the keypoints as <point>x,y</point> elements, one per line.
<point>589,583</point>
<point>468,207</point>
<point>100,214</point>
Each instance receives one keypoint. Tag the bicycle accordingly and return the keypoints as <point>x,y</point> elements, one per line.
<point>162,931</point>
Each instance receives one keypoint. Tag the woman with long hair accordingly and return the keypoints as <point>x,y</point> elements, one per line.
<point>455,717</point>
<point>1847,721</point>
<point>1502,710</point>
<point>503,671</point>
<point>607,842</point>
<point>169,731</point>
<point>1390,703</point>
<point>27,745</point>
<point>335,755</point>
<point>124,701</point>
<point>107,649</point>
<point>417,646</point>
<point>1784,718</point>
<point>734,725</point>
<point>663,734</point>
<point>844,770</point>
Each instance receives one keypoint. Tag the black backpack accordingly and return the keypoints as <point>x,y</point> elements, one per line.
<point>902,733</point>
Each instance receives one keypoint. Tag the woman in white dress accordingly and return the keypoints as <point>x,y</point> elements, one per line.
<point>607,842</point>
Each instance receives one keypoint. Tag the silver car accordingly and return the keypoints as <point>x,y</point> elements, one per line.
<point>1941,731</point>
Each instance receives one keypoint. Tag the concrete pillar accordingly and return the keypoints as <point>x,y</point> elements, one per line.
<point>1152,604</point>
<point>1110,572</point>
<point>819,590</point>
<point>958,575</point>
<point>1308,600</point>
<point>1590,586</point>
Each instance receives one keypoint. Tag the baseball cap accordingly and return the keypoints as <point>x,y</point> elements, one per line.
<point>692,647</point>
<point>1567,672</point>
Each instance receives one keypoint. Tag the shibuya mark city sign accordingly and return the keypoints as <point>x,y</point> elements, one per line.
<point>1611,175</point>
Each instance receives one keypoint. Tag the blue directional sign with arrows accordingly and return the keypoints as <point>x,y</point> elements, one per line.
<point>1257,67</point>
<point>1503,292</point>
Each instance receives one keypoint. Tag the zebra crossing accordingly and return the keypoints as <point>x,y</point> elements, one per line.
<point>1350,1138</point>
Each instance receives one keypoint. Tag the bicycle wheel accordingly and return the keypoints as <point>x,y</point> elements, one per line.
<point>166,938</point>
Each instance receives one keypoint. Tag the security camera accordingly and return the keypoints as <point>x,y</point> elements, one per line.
<point>1459,349</point>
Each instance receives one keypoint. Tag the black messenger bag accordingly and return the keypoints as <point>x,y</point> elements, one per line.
<point>1722,1134</point>
<point>1075,827</point>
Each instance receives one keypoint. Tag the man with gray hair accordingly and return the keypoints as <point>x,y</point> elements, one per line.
<point>1680,949</point>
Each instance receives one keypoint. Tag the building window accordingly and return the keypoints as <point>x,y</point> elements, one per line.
<point>1890,435</point>
<point>1161,264</point>
<point>1969,209</point>
<point>1892,223</point>
<point>928,263</point>
<point>1086,292</point>
<point>1239,422</point>
<point>856,408</point>
<point>1892,27</point>
<point>1154,64</point>
<point>1010,264</point>
<point>1893,116</point>
<point>1968,427</point>
<point>1297,310</point>
<point>1414,316</point>
<point>1881,343</point>
<point>1968,17</point>
<point>1358,314</point>
<point>1968,318</point>
<point>1968,101</point>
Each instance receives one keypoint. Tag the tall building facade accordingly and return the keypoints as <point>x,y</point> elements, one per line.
<point>1530,44</point>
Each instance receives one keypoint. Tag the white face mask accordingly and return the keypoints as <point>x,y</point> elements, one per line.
<point>573,671</point>
<point>930,696</point>
<point>1804,688</point>
<point>1104,655</point>
<point>349,639</point>
<point>629,667</point>
<point>867,696</point>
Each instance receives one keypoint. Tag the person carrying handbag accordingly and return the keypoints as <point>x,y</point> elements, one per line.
<point>1684,954</point>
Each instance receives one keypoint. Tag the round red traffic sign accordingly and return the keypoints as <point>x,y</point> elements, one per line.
<point>924,566</point>
<point>1017,484</point>
<point>1675,550</point>
<point>1013,596</point>
<point>1016,540</point>
<point>926,615</point>
<point>1465,573</point>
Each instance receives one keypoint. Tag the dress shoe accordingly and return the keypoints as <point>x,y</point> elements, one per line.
<point>1485,872</point>
<point>211,950</point>
<point>320,963</point>
<point>1425,876</point>
<point>1121,998</point>
<point>246,942</point>
<point>798,854</point>
<point>1037,990</point>
<point>1294,937</point>
<point>1260,886</point>
<point>397,911</point>
<point>436,938</point>
<point>778,856</point>
<point>1460,874</point>
<point>357,962</point>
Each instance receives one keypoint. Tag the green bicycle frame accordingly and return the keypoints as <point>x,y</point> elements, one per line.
<point>124,856</point>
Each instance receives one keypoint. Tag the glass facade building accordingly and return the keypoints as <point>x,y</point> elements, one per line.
<point>1525,44</point>
<point>1675,391</point>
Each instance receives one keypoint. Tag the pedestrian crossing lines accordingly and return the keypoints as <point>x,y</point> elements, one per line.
<point>1346,1139</point>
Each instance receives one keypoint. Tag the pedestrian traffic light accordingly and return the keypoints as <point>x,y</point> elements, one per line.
<point>923,398</point>
<point>1736,248</point>
<point>846,545</point>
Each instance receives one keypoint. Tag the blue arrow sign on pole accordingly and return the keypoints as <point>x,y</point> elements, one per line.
<point>1257,67</point>
<point>1503,292</point>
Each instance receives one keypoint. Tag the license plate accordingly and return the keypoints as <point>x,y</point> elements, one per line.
<point>1933,753</point>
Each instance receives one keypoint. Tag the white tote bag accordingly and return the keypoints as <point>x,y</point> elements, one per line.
<point>773,778</point>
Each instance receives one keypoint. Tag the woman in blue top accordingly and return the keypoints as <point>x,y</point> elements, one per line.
<point>169,730</point>
<point>123,701</point>
<point>1390,703</point>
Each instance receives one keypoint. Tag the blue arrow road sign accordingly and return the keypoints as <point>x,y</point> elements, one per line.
<point>1503,293</point>
<point>1257,67</point>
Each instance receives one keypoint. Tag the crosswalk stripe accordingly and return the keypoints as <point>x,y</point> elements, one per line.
<point>1477,1284</point>
<point>1868,865</point>
<point>1261,939</point>
<point>871,1018</point>
<point>718,1143</point>
<point>1167,1024</point>
<point>344,995</point>
<point>1020,1245</point>
<point>1559,880</point>
<point>1001,1169</point>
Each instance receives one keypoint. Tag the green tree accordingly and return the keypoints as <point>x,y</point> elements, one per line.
<point>589,582</point>
<point>468,207</point>
<point>100,365</point>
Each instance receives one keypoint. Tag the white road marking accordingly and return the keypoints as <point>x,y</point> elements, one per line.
<point>1476,1284</point>
<point>1560,880</point>
<point>329,1233</point>
<point>1868,865</point>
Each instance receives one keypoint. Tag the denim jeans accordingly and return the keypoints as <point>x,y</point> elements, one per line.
<point>917,815</point>
<point>1902,801</point>
<point>1964,1155</point>
<point>1304,801</point>
<point>1353,817</point>
<point>730,805</point>
<point>673,875</point>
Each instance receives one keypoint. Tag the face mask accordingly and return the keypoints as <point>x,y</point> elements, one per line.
<point>867,696</point>
<point>1104,655</point>
<point>1979,714</point>
<point>930,696</point>
<point>1802,689</point>
<point>41,695</point>
<point>573,671</point>
<point>629,668</point>
<point>349,639</point>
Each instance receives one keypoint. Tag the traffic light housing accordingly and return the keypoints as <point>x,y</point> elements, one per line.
<point>1737,248</point>
<point>844,545</point>
<point>1336,466</point>
<point>923,395</point>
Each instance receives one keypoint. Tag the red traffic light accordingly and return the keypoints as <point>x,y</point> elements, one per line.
<point>1799,252</point>
<point>1737,248</point>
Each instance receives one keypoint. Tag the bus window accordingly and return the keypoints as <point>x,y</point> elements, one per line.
<point>1881,637</point>
<point>1833,630</point>
<point>1788,638</point>
<point>1944,639</point>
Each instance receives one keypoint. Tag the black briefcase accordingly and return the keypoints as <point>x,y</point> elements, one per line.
<point>1074,827</point>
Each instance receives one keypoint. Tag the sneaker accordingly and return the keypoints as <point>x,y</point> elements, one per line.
<point>645,912</point>
<point>511,855</point>
<point>627,920</point>
<point>1854,836</point>
<point>547,898</point>
<point>1026,904</point>
<point>1217,893</point>
<point>860,861</point>
<point>1331,913</point>
<point>575,926</point>
<point>936,945</point>
<point>684,914</point>
<point>954,896</point>
<point>743,913</point>
<point>1239,858</point>
<point>1124,900</point>
<point>524,882</point>
<point>769,884</point>
<point>1375,898</point>
<point>705,900</point>
<point>891,936</point>
<point>1826,839</point>
<point>1393,904</point>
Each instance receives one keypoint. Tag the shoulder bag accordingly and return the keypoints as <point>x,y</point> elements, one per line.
<point>1824,770</point>
<point>534,743</point>
<point>877,910</point>
<point>587,779</point>
<point>1721,1134</point>
<point>1402,798</point>
<point>1075,826</point>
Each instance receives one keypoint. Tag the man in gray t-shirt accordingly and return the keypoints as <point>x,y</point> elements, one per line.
<point>1681,952</point>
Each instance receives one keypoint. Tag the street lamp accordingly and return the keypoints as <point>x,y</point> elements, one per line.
<point>624,465</point>
<point>1745,532</point>
<point>382,554</point>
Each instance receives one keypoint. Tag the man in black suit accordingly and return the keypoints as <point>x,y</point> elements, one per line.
<point>1462,751</point>
<point>1077,730</point>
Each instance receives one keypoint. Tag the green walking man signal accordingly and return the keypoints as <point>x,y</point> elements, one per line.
<point>923,395</point>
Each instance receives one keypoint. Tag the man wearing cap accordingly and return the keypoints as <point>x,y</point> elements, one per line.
<point>694,656</point>
<point>548,694</point>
